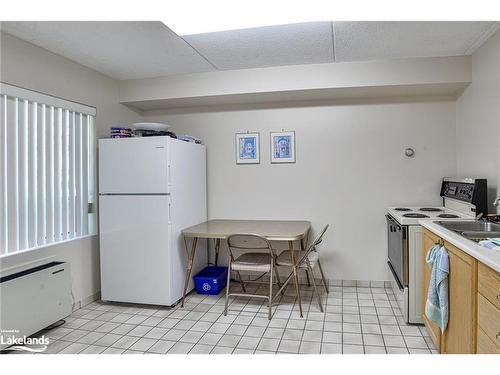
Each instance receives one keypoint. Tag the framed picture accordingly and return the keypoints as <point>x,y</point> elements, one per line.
<point>247,148</point>
<point>283,147</point>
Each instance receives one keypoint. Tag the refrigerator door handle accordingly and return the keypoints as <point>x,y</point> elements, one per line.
<point>169,213</point>
<point>169,175</point>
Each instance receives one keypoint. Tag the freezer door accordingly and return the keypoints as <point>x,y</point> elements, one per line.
<point>134,165</point>
<point>135,243</point>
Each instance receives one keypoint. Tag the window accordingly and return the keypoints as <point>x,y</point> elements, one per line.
<point>47,170</point>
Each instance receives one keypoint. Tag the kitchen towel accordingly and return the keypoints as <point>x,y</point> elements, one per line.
<point>491,243</point>
<point>436,306</point>
<point>496,241</point>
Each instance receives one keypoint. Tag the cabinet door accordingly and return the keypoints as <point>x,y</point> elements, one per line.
<point>488,319</point>
<point>488,284</point>
<point>460,335</point>
<point>484,344</point>
<point>429,240</point>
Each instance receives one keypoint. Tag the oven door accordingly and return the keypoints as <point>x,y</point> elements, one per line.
<point>397,251</point>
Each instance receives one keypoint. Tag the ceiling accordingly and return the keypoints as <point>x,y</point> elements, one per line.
<point>130,50</point>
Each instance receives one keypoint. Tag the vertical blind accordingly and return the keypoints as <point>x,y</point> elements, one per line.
<point>47,170</point>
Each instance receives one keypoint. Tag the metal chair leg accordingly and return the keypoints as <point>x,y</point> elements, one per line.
<point>323,277</point>
<point>227,288</point>
<point>295,275</point>
<point>314,286</point>
<point>270,293</point>
<point>208,252</point>
<point>285,284</point>
<point>278,279</point>
<point>303,247</point>
<point>241,281</point>
<point>217,248</point>
<point>307,277</point>
<point>297,289</point>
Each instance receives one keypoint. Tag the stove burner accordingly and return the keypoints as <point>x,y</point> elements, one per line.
<point>416,216</point>
<point>430,209</point>
<point>402,209</point>
<point>448,216</point>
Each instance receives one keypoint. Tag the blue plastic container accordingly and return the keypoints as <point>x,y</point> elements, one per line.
<point>210,280</point>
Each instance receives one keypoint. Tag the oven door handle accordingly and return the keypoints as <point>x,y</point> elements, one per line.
<point>400,286</point>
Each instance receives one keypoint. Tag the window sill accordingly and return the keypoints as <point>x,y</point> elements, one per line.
<point>24,251</point>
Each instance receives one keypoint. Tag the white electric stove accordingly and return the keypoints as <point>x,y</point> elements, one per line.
<point>463,199</point>
<point>412,215</point>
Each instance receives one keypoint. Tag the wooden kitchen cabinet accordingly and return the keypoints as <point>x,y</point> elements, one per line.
<point>489,284</point>
<point>460,335</point>
<point>484,344</point>
<point>488,311</point>
<point>429,239</point>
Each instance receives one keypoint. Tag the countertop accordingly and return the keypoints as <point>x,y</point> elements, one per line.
<point>491,258</point>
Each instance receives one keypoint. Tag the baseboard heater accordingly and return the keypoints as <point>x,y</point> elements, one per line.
<point>33,299</point>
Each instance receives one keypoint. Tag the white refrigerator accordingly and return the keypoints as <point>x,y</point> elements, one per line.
<point>150,188</point>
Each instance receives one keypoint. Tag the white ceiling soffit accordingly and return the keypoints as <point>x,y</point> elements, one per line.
<point>386,40</point>
<point>301,43</point>
<point>122,50</point>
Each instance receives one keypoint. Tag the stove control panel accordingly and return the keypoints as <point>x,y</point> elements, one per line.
<point>468,190</point>
<point>457,190</point>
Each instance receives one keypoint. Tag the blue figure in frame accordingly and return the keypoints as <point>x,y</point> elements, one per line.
<point>282,146</point>
<point>248,148</point>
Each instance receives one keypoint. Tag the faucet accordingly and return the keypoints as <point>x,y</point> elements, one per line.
<point>496,202</point>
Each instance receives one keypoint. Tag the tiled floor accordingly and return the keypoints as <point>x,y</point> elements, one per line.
<point>356,320</point>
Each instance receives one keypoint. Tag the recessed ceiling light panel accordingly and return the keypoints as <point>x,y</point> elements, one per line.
<point>184,19</point>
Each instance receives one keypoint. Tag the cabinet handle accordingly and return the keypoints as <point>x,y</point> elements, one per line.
<point>498,335</point>
<point>498,296</point>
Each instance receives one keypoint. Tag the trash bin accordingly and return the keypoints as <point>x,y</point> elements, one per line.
<point>210,280</point>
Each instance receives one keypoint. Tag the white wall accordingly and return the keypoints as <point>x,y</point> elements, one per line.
<point>31,67</point>
<point>26,65</point>
<point>478,118</point>
<point>350,167</point>
<point>350,164</point>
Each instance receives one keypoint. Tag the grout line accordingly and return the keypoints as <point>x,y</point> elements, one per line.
<point>239,313</point>
<point>281,337</point>
<point>248,325</point>
<point>257,347</point>
<point>360,325</point>
<point>378,320</point>
<point>324,318</point>
<point>215,321</point>
<point>342,318</point>
<point>305,313</point>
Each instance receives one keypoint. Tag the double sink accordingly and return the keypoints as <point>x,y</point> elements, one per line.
<point>473,230</point>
